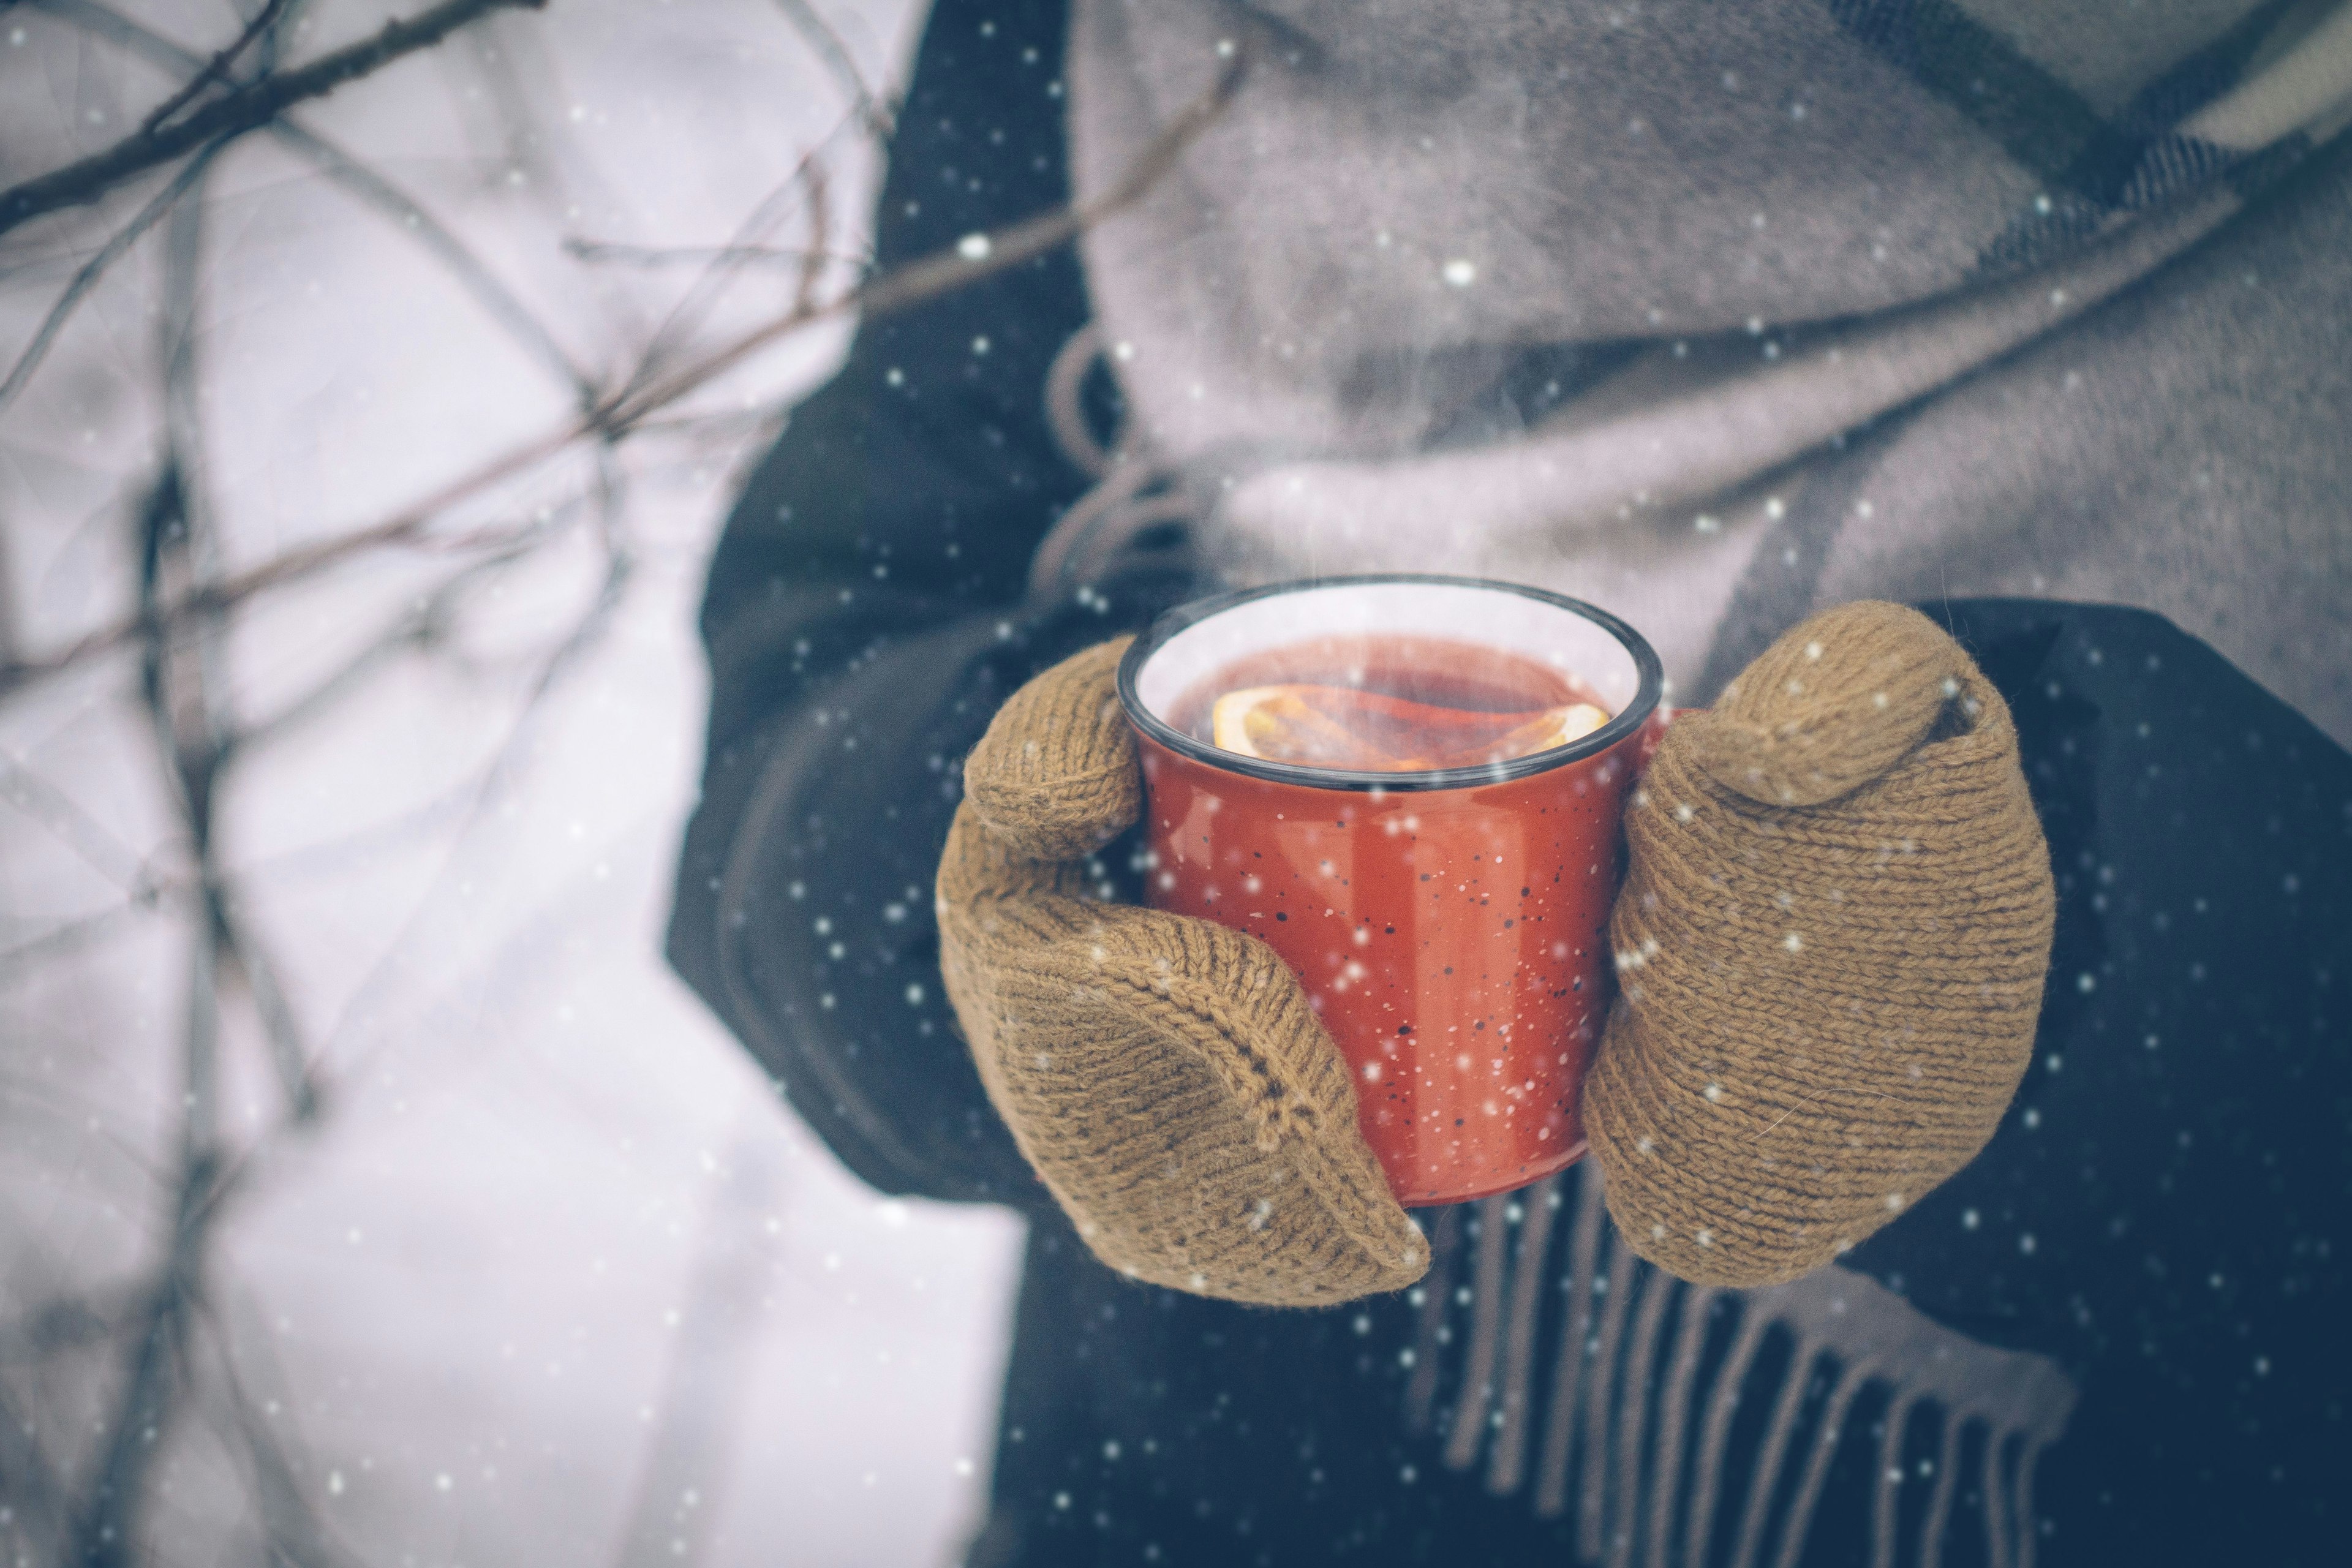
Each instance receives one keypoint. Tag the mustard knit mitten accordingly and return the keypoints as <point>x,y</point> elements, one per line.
<point>1166,1077</point>
<point>1831,947</point>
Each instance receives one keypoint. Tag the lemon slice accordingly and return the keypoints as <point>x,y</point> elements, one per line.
<point>1278,723</point>
<point>1348,728</point>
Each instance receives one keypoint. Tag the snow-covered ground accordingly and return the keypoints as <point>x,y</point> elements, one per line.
<point>552,1278</point>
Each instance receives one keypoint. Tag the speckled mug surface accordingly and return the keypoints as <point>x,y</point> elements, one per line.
<point>1450,926</point>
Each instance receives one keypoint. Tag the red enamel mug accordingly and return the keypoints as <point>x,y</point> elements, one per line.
<point>1450,925</point>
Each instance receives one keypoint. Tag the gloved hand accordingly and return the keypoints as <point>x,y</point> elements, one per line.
<point>1831,946</point>
<point>1831,942</point>
<point>1165,1076</point>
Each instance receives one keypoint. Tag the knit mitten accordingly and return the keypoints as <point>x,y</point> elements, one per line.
<point>1166,1077</point>
<point>1831,947</point>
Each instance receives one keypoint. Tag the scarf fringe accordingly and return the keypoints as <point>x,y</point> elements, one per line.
<point>1648,1377</point>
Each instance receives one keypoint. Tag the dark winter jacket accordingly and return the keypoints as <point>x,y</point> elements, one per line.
<point>2115,1338</point>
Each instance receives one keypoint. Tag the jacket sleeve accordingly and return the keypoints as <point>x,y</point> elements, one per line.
<point>863,621</point>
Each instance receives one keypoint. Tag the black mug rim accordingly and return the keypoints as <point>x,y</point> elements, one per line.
<point>1647,694</point>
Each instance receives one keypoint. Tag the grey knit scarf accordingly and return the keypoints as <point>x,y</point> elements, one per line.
<point>1712,312</point>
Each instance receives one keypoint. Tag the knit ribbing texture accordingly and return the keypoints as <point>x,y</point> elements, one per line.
<point>1166,1077</point>
<point>1831,949</point>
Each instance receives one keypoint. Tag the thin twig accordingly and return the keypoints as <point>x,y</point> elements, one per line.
<point>250,107</point>
<point>825,43</point>
<point>421,625</point>
<point>84,1116</point>
<point>293,1534</point>
<point>178,691</point>
<point>472,272</point>
<point>72,825</point>
<point>8,613</point>
<point>723,424</point>
<point>403,528</point>
<point>697,1421</point>
<point>215,70</point>
<point>620,564</point>
<point>34,955</point>
<point>800,187</point>
<point>650,256</point>
<point>499,60</point>
<point>87,276</point>
<point>33,1490</point>
<point>234,1173</point>
<point>243,951</point>
<point>203,734</point>
<point>522,81</point>
<point>945,271</point>
<point>107,1522</point>
<point>820,225</point>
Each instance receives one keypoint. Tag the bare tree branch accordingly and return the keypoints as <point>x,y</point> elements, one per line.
<point>236,113</point>
<point>216,68</point>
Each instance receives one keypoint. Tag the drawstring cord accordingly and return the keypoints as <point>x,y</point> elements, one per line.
<point>1108,530</point>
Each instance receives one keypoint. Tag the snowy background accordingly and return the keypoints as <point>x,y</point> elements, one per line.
<point>549,1276</point>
